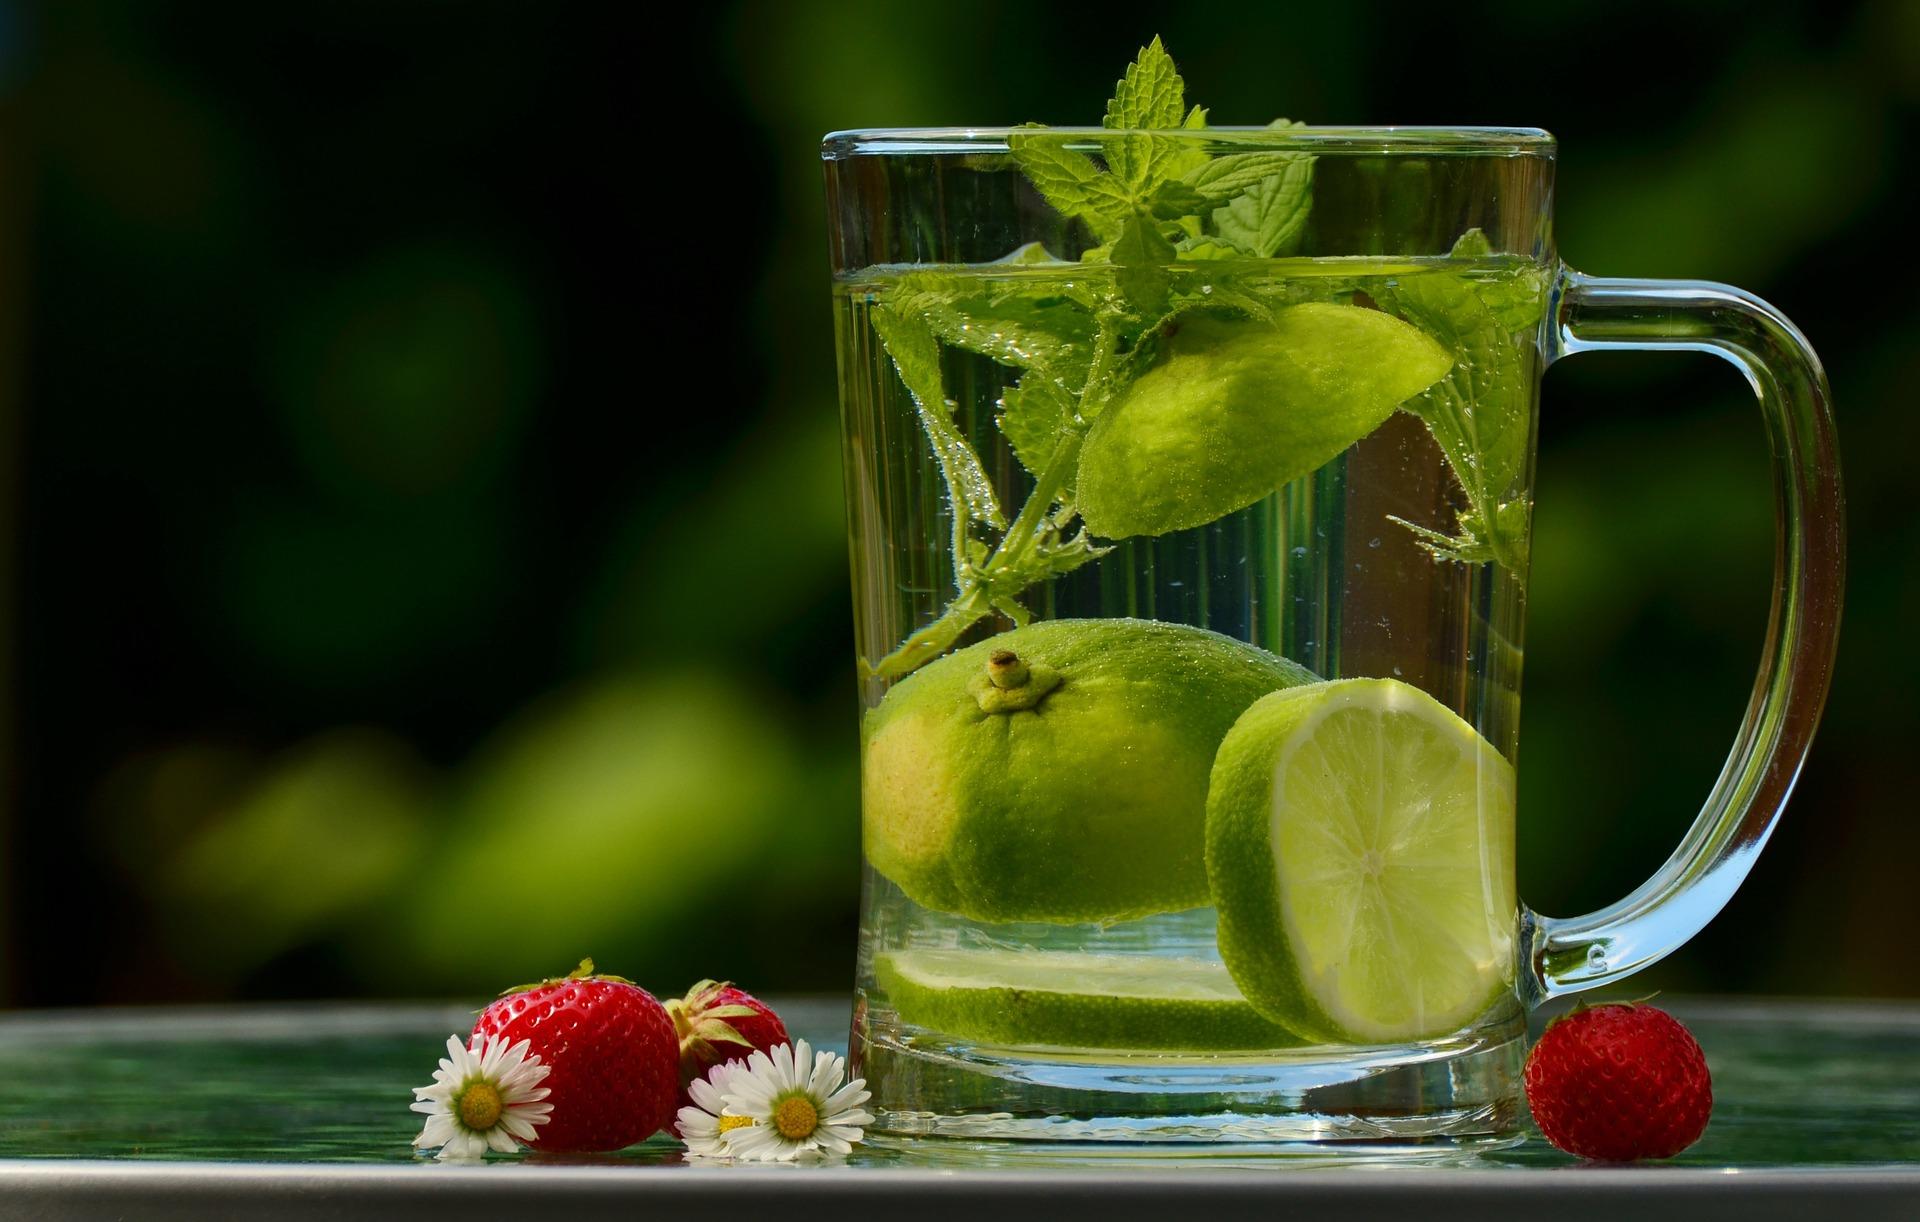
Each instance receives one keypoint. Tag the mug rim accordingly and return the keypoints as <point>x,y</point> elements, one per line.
<point>1375,140</point>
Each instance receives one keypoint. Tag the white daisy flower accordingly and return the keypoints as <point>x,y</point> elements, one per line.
<point>705,1125</point>
<point>797,1103</point>
<point>483,1097</point>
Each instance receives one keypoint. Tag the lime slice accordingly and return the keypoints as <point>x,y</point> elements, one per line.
<point>1026,998</point>
<point>1360,849</point>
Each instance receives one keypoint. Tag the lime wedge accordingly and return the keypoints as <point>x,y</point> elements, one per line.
<point>1360,850</point>
<point>1235,408</point>
<point>1026,998</point>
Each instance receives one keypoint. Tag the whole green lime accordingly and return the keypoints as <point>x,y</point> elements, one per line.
<point>1235,408</point>
<point>1058,772</point>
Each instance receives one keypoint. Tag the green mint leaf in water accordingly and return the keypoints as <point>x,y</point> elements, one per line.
<point>1173,200</point>
<point>1175,159</point>
<point>1140,256</point>
<point>1219,179</point>
<point>1518,300</point>
<point>1208,247</point>
<point>1036,415</point>
<point>1064,556</point>
<point>1473,244</point>
<point>1024,255</point>
<point>916,356</point>
<point>1269,218</point>
<point>1477,414</point>
<point>1028,326</point>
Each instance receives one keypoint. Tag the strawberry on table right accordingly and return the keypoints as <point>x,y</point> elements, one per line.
<point>1618,1082</point>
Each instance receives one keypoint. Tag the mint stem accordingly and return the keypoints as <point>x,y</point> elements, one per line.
<point>1019,560</point>
<point>1005,571</point>
<point>936,638</point>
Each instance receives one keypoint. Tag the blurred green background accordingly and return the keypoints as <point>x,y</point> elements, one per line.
<point>421,557</point>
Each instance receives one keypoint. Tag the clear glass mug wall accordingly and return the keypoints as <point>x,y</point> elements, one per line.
<point>1280,423</point>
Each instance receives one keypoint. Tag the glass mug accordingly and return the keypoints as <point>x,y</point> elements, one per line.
<point>1114,479</point>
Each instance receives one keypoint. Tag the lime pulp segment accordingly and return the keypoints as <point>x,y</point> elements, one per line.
<point>1042,998</point>
<point>1360,850</point>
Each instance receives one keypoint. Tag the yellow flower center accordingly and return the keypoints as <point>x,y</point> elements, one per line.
<point>796,1117</point>
<point>730,1123</point>
<point>480,1106</point>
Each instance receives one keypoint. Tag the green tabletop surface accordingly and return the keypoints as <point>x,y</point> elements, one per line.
<point>1811,1098</point>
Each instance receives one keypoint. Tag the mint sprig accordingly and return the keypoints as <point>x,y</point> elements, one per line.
<point>1155,202</point>
<point>1479,412</point>
<point>916,356</point>
<point>1154,186</point>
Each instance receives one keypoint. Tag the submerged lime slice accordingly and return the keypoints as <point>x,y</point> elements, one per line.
<point>1027,998</point>
<point>1360,848</point>
<point>1234,409</point>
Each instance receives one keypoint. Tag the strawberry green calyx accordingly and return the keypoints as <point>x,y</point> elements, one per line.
<point>1582,1005</point>
<point>583,972</point>
<point>701,1024</point>
<point>717,1022</point>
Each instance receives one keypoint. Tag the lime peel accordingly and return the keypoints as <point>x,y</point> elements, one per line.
<point>1086,805</point>
<point>1236,408</point>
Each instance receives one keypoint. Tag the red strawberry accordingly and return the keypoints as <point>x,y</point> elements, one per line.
<point>717,1023</point>
<point>1619,1082</point>
<point>613,1055</point>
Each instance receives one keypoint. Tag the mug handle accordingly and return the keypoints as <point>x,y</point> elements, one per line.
<point>1591,313</point>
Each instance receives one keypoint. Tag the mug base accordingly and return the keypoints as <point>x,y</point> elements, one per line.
<point>1429,1097</point>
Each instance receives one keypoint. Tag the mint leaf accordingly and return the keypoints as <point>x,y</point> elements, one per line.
<point>1478,413</point>
<point>1222,178</point>
<point>1026,326</point>
<point>916,356</point>
<point>1151,96</point>
<point>1025,254</point>
<point>1141,243</point>
<point>1269,217</point>
<point>1184,156</point>
<point>1057,555</point>
<point>1173,200</point>
<point>1035,415</point>
<point>1205,247</point>
<point>1517,300</point>
<point>1069,180</point>
<point>1473,244</point>
<point>1140,256</point>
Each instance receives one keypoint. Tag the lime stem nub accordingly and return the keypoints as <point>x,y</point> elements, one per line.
<point>1006,670</point>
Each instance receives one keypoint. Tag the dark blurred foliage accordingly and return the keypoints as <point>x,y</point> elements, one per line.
<point>422,564</point>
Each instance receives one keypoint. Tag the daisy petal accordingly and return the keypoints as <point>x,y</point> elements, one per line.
<point>706,1095</point>
<point>499,1140</point>
<point>826,1075</point>
<point>848,1095</point>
